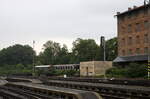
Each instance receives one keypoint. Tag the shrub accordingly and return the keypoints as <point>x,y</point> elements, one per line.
<point>133,70</point>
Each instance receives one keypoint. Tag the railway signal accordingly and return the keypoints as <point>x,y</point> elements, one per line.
<point>103,46</point>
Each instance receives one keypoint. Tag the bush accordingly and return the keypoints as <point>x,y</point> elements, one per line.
<point>15,69</point>
<point>136,70</point>
<point>133,70</point>
<point>115,72</point>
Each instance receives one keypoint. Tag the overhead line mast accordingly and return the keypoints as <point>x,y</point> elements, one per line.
<point>147,3</point>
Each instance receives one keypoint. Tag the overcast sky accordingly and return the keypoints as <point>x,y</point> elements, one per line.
<point>63,21</point>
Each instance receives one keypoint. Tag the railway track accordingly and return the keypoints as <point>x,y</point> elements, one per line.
<point>39,91</point>
<point>107,91</point>
<point>123,90</point>
<point>132,82</point>
<point>16,93</point>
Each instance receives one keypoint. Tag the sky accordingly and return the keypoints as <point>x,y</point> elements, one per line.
<point>62,21</point>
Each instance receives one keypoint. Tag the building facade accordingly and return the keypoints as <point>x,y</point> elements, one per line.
<point>133,34</point>
<point>94,68</point>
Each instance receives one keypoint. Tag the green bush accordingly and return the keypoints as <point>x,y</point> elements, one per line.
<point>15,69</point>
<point>136,70</point>
<point>133,70</point>
<point>115,72</point>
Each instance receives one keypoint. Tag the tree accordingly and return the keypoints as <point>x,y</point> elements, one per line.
<point>16,54</point>
<point>54,54</point>
<point>64,57</point>
<point>111,49</point>
<point>84,50</point>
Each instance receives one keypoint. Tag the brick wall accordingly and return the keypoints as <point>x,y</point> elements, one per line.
<point>132,32</point>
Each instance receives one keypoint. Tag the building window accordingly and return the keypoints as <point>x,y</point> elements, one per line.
<point>137,50</point>
<point>146,12</point>
<point>123,52</point>
<point>123,41</point>
<point>130,40</point>
<point>137,39</point>
<point>129,16</point>
<point>130,52</point>
<point>146,38</point>
<point>129,28</point>
<point>122,18</point>
<point>122,29</point>
<point>146,25</point>
<point>146,50</point>
<point>137,28</point>
<point>136,13</point>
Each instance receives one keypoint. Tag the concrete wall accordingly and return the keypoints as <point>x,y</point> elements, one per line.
<point>101,67</point>
<point>94,68</point>
<point>86,68</point>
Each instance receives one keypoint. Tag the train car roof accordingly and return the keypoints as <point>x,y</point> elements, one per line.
<point>42,66</point>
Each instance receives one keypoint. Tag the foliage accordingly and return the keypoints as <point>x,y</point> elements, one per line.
<point>133,70</point>
<point>54,54</point>
<point>17,58</point>
<point>67,72</point>
<point>15,69</point>
<point>84,50</point>
<point>136,70</point>
<point>116,72</point>
<point>16,54</point>
<point>111,50</point>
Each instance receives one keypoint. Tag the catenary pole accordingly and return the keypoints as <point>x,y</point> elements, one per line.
<point>147,7</point>
<point>33,68</point>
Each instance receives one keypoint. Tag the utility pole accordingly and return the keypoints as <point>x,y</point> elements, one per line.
<point>104,47</point>
<point>33,67</point>
<point>147,7</point>
<point>149,40</point>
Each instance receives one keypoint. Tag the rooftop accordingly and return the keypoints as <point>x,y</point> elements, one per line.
<point>131,58</point>
<point>42,66</point>
<point>135,8</point>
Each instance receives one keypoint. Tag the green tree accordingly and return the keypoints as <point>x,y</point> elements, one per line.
<point>16,54</point>
<point>84,50</point>
<point>111,49</point>
<point>54,54</point>
<point>63,57</point>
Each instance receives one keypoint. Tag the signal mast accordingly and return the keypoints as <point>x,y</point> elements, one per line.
<point>147,5</point>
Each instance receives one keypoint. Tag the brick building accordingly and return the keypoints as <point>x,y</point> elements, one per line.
<point>133,34</point>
